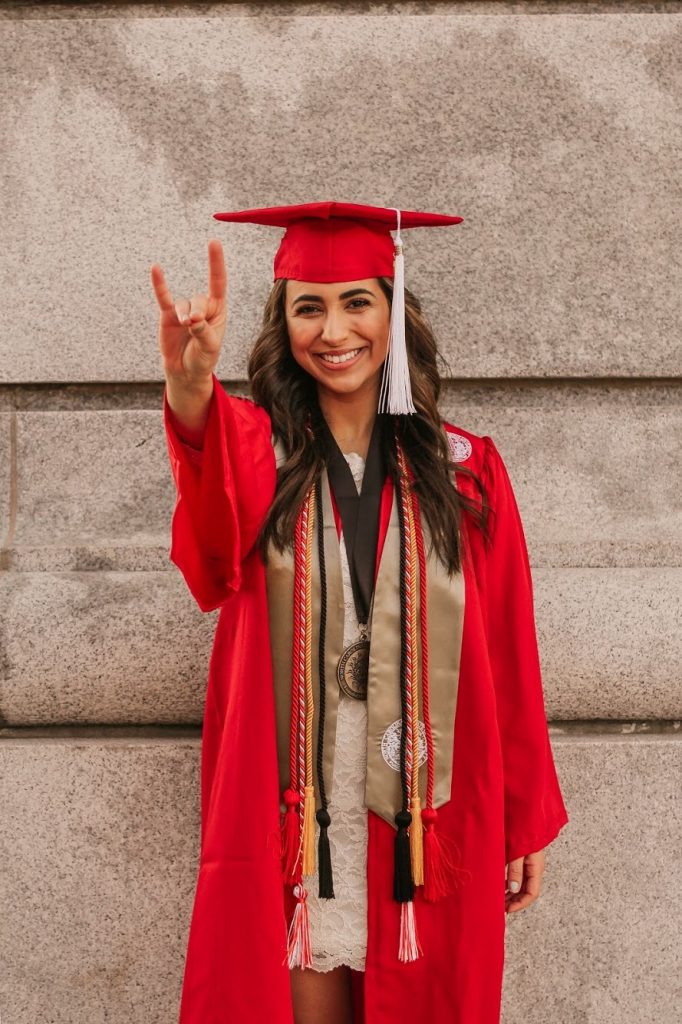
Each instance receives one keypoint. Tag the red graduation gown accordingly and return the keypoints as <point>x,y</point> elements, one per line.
<point>506,800</point>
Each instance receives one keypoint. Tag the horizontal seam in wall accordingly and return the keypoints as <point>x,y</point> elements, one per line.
<point>596,729</point>
<point>115,10</point>
<point>144,396</point>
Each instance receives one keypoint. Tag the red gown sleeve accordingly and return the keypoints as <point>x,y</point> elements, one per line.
<point>534,807</point>
<point>224,491</point>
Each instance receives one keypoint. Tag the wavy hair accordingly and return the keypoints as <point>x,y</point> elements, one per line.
<point>289,395</point>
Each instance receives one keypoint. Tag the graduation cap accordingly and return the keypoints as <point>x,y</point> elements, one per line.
<point>326,242</point>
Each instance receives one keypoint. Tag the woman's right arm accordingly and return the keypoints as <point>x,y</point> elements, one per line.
<point>219,446</point>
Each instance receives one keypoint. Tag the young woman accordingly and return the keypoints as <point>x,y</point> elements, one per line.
<point>378,784</point>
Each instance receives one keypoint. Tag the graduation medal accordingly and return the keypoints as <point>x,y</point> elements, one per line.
<point>359,514</point>
<point>353,668</point>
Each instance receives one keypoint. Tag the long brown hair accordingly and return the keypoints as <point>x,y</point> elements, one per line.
<point>289,395</point>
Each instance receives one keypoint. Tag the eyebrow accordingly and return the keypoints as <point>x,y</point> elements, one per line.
<point>344,295</point>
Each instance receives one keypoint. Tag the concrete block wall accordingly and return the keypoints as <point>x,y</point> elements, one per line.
<point>554,130</point>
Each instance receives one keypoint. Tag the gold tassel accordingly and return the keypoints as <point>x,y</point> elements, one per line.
<point>309,831</point>
<point>417,841</point>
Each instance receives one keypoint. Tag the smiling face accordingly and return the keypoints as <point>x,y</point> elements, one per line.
<point>339,332</point>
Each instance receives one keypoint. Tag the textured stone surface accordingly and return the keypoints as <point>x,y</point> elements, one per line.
<point>115,647</point>
<point>5,470</point>
<point>93,478</point>
<point>595,472</point>
<point>102,647</point>
<point>554,130</point>
<point>23,10</point>
<point>555,136</point>
<point>602,943</point>
<point>610,642</point>
<point>99,842</point>
<point>99,847</point>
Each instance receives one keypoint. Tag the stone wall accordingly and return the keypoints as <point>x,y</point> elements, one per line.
<point>553,129</point>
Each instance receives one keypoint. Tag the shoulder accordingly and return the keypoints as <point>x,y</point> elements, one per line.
<point>469,451</point>
<point>243,408</point>
<point>478,462</point>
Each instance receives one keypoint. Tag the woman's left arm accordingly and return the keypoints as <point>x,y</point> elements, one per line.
<point>534,807</point>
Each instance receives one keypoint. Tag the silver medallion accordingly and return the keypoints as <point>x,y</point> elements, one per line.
<point>353,668</point>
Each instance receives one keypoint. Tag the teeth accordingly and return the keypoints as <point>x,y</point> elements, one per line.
<point>341,359</point>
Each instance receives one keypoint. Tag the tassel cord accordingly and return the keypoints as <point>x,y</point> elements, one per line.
<point>404,778</point>
<point>443,873</point>
<point>292,830</point>
<point>403,885</point>
<point>416,828</point>
<point>295,693</point>
<point>309,792</point>
<point>412,739</point>
<point>326,879</point>
<point>395,394</point>
<point>323,633</point>
<point>300,677</point>
<point>424,633</point>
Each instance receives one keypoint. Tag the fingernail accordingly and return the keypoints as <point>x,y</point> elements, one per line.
<point>514,886</point>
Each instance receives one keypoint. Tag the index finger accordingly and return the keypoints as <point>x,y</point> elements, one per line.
<point>217,275</point>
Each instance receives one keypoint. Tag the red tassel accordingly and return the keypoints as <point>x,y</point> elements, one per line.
<point>298,939</point>
<point>442,874</point>
<point>291,837</point>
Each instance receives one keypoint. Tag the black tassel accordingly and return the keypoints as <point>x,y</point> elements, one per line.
<point>403,886</point>
<point>324,857</point>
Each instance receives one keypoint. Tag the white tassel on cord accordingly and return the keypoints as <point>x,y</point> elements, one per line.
<point>396,393</point>
<point>298,939</point>
<point>410,946</point>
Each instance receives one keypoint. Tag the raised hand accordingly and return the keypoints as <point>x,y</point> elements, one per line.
<point>191,331</point>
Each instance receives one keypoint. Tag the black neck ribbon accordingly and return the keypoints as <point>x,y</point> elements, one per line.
<point>359,512</point>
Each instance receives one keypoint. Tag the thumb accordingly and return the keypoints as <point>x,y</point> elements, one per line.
<point>515,875</point>
<point>196,323</point>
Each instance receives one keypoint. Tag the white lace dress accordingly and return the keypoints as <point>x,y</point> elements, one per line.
<point>338,927</point>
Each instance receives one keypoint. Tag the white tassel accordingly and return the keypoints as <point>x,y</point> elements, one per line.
<point>410,946</point>
<point>298,939</point>
<point>396,394</point>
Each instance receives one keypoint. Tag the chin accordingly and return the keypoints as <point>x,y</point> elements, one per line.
<point>346,387</point>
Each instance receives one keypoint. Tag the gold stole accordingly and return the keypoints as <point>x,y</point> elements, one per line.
<point>445,616</point>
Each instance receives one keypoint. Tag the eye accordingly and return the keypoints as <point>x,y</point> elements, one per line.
<point>306,309</point>
<point>362,302</point>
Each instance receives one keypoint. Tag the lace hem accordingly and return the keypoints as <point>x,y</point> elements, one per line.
<point>324,962</point>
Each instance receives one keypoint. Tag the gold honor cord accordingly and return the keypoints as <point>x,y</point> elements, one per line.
<point>409,945</point>
<point>416,828</point>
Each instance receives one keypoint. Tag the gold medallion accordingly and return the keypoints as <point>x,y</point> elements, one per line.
<point>353,668</point>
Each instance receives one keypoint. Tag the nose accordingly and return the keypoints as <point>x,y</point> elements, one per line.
<point>335,328</point>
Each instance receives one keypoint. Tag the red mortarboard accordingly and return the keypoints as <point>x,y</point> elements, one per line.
<point>326,242</point>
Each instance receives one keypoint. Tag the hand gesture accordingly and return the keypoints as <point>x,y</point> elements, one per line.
<point>191,330</point>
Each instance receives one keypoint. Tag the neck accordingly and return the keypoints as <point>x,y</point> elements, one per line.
<point>350,417</point>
